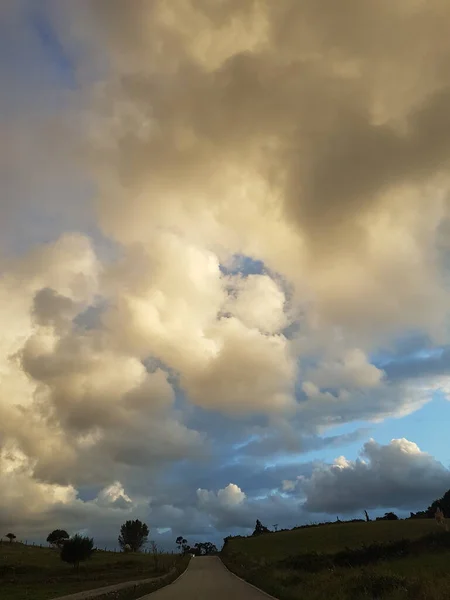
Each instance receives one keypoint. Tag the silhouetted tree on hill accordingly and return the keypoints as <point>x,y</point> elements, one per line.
<point>421,514</point>
<point>389,516</point>
<point>77,549</point>
<point>442,503</point>
<point>182,543</point>
<point>133,533</point>
<point>11,536</point>
<point>205,548</point>
<point>57,537</point>
<point>260,528</point>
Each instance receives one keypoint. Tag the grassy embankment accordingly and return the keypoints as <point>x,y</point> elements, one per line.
<point>313,563</point>
<point>32,573</point>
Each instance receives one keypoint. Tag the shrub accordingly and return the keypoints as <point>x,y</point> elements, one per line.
<point>77,549</point>
<point>375,586</point>
<point>367,554</point>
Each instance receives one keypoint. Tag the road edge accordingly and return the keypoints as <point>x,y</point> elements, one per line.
<point>247,582</point>
<point>104,592</point>
<point>168,585</point>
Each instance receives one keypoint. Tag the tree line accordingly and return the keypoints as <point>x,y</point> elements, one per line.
<point>441,504</point>
<point>198,549</point>
<point>73,550</point>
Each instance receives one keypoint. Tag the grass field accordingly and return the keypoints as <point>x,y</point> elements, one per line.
<point>264,561</point>
<point>331,538</point>
<point>33,573</point>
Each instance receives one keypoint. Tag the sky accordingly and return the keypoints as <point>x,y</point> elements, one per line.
<point>224,258</point>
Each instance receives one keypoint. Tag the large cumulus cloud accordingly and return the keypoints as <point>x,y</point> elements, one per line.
<point>292,143</point>
<point>311,138</point>
<point>397,475</point>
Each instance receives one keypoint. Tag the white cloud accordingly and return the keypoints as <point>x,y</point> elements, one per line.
<point>114,496</point>
<point>258,302</point>
<point>349,371</point>
<point>226,498</point>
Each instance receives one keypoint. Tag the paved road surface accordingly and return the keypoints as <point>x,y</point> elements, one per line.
<point>207,579</point>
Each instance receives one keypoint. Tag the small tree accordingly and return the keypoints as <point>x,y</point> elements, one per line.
<point>205,548</point>
<point>57,537</point>
<point>182,543</point>
<point>133,533</point>
<point>77,549</point>
<point>156,554</point>
<point>390,516</point>
<point>260,528</point>
<point>11,537</point>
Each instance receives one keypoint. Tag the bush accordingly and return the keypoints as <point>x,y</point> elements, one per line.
<point>77,549</point>
<point>313,562</point>
<point>374,586</point>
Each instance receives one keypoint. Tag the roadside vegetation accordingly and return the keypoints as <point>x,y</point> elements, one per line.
<point>73,564</point>
<point>386,559</point>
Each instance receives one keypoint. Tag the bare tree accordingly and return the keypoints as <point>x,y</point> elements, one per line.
<point>156,554</point>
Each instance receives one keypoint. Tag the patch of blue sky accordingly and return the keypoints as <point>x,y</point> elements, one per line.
<point>243,265</point>
<point>427,427</point>
<point>52,48</point>
<point>88,493</point>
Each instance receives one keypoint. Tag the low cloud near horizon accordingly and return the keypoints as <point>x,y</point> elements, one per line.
<point>216,218</point>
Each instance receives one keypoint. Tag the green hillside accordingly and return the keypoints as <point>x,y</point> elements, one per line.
<point>331,538</point>
<point>387,560</point>
<point>33,573</point>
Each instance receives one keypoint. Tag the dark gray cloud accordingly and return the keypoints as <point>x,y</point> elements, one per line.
<point>395,475</point>
<point>436,363</point>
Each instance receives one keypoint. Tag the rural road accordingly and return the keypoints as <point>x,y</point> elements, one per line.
<point>206,578</point>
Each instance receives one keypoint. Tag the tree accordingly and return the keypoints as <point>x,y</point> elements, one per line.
<point>133,533</point>
<point>442,503</point>
<point>260,528</point>
<point>10,536</point>
<point>389,516</point>
<point>182,543</point>
<point>57,537</point>
<point>205,549</point>
<point>77,549</point>
<point>421,514</point>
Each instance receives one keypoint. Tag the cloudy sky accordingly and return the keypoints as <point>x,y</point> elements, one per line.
<point>224,255</point>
